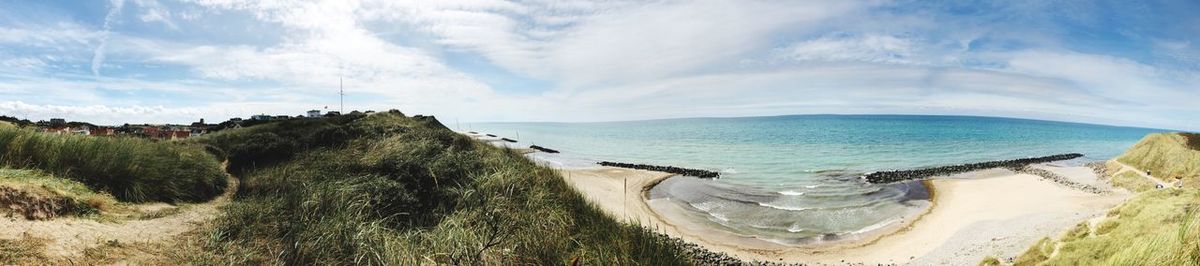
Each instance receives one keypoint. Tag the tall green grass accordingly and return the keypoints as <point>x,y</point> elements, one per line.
<point>404,191</point>
<point>1160,227</point>
<point>133,170</point>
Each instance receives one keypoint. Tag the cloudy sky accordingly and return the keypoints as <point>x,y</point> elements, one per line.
<point>1120,62</point>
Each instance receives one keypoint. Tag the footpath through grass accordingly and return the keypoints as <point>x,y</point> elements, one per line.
<point>387,189</point>
<point>133,170</point>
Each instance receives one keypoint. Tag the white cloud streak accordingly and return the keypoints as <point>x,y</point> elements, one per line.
<point>98,54</point>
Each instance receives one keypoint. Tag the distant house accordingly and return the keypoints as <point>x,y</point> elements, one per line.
<point>314,113</point>
<point>57,130</point>
<point>58,121</point>
<point>178,134</point>
<point>151,132</point>
<point>333,113</point>
<point>281,117</point>
<point>262,117</point>
<point>83,130</point>
<point>103,131</point>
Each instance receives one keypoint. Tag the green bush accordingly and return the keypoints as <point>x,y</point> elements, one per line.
<point>135,170</point>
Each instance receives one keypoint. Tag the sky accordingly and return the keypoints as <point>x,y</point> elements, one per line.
<point>1131,63</point>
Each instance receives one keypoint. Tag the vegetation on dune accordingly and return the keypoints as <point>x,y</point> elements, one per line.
<point>134,170</point>
<point>1167,156</point>
<point>386,189</point>
<point>1132,181</point>
<point>1193,140</point>
<point>76,197</point>
<point>1160,227</point>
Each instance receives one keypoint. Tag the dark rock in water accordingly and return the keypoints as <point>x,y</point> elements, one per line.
<point>669,169</point>
<point>472,132</point>
<point>901,175</point>
<point>542,149</point>
<point>490,135</point>
<point>508,140</point>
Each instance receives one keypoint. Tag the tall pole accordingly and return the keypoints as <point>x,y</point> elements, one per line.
<point>341,96</point>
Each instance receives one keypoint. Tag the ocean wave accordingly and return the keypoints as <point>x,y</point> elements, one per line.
<point>786,208</point>
<point>791,193</point>
<point>729,170</point>
<point>873,227</point>
<point>812,186</point>
<point>795,228</point>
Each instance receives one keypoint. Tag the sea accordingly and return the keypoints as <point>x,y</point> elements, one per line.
<point>797,179</point>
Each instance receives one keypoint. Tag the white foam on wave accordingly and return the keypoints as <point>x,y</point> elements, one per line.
<point>876,226</point>
<point>786,208</point>
<point>812,186</point>
<point>729,170</point>
<point>795,228</point>
<point>791,193</point>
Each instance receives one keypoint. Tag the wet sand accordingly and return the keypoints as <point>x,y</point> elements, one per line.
<point>990,213</point>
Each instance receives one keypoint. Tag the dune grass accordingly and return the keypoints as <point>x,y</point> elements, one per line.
<point>1160,227</point>
<point>386,189</point>
<point>1132,181</point>
<point>84,200</point>
<point>133,170</point>
<point>1167,156</point>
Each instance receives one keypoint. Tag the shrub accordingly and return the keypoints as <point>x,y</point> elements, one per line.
<point>130,169</point>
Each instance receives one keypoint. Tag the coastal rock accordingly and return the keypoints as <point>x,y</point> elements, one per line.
<point>668,169</point>
<point>543,149</point>
<point>902,175</point>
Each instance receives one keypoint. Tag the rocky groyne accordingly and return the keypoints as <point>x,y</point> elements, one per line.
<point>543,149</point>
<point>902,175</point>
<point>509,140</point>
<point>668,169</point>
<point>1056,178</point>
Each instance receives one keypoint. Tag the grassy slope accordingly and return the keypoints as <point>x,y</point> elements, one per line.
<point>134,170</point>
<point>84,200</point>
<point>1166,156</point>
<point>1157,227</point>
<point>385,189</point>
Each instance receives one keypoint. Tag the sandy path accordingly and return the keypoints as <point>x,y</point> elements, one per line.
<point>972,218</point>
<point>70,236</point>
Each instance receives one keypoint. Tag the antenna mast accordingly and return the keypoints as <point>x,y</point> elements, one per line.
<point>341,96</point>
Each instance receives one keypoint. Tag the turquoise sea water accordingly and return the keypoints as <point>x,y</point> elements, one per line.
<point>791,178</point>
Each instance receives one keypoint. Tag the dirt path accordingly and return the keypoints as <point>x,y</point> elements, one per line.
<point>69,237</point>
<point>1127,168</point>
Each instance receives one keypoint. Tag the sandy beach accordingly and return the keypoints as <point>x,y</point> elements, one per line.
<point>991,213</point>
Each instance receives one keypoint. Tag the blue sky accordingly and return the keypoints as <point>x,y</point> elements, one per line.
<point>1131,63</point>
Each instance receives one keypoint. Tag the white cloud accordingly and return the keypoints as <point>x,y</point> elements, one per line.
<point>874,48</point>
<point>98,54</point>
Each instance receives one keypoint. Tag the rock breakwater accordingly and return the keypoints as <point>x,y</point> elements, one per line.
<point>543,149</point>
<point>902,175</point>
<point>668,169</point>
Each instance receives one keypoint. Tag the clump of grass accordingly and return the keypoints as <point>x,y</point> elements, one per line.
<point>990,261</point>
<point>1080,230</point>
<point>408,191</point>
<point>1193,140</point>
<point>1156,228</point>
<point>82,199</point>
<point>1038,253</point>
<point>134,170</point>
<point>1132,181</point>
<point>25,251</point>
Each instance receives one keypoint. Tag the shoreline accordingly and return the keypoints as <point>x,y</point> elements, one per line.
<point>958,206</point>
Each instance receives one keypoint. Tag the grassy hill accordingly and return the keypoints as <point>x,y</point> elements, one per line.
<point>1156,227</point>
<point>132,170</point>
<point>388,189</point>
<point>1166,156</point>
